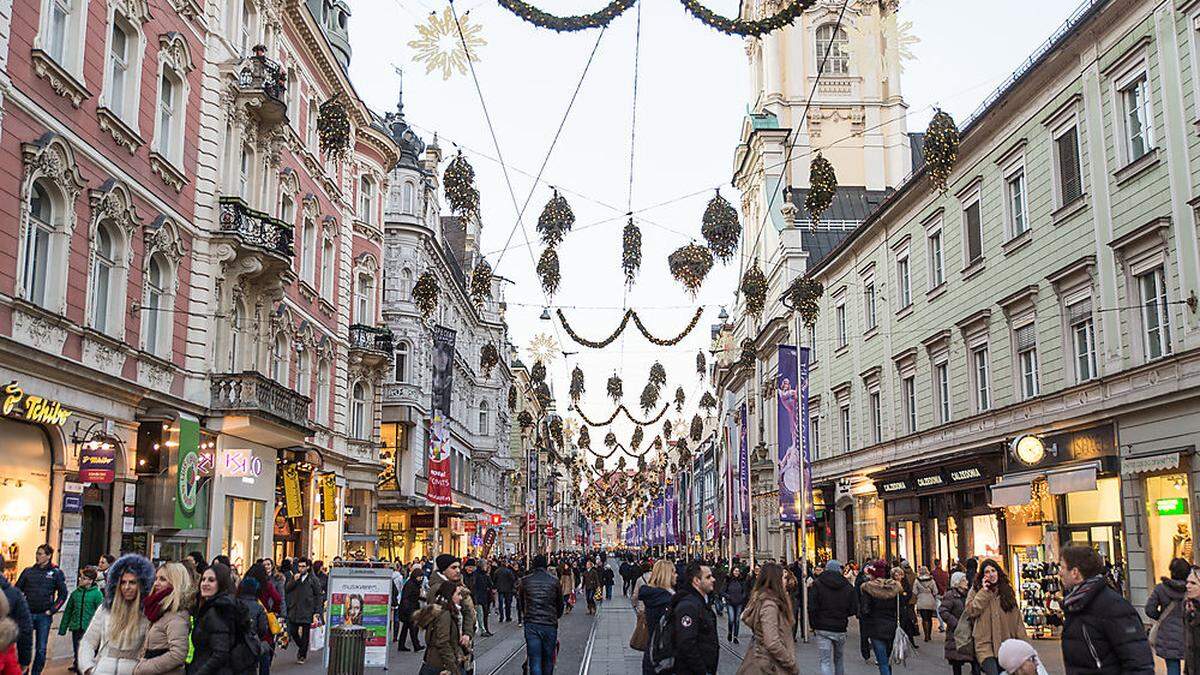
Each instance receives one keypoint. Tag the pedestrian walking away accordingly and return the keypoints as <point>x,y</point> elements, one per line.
<point>410,601</point>
<point>506,586</point>
<point>609,578</point>
<point>1165,607</point>
<point>693,624</point>
<point>1102,632</point>
<point>950,611</point>
<point>769,617</point>
<point>651,600</point>
<point>925,590</point>
<point>542,600</point>
<point>832,600</point>
<point>878,617</point>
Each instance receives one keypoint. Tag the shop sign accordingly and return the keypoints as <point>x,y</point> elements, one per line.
<point>967,474</point>
<point>327,483</point>
<point>32,408</point>
<point>187,481</point>
<point>476,540</point>
<point>293,506</point>
<point>1172,506</point>
<point>893,485</point>
<point>72,502</point>
<point>496,519</point>
<point>98,462</point>
<point>531,523</point>
<point>931,481</point>
<point>489,540</point>
<point>470,526</point>
<point>424,521</point>
<point>241,464</point>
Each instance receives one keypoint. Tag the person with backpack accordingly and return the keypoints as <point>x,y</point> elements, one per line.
<point>735,594</point>
<point>832,600</point>
<point>248,600</point>
<point>223,639</point>
<point>114,639</point>
<point>954,602</point>
<point>651,600</point>
<point>1165,608</point>
<point>167,644</point>
<point>81,606</point>
<point>769,616</point>
<point>1102,633</point>
<point>691,625</point>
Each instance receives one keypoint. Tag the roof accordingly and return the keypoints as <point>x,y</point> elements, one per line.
<point>916,142</point>
<point>851,205</point>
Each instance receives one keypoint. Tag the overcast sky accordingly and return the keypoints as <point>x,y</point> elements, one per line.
<point>693,93</point>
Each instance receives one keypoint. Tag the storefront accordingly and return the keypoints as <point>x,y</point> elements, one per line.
<point>293,499</point>
<point>243,489</point>
<point>868,528</point>
<point>25,468</point>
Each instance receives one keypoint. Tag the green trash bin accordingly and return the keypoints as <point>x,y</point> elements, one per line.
<point>347,650</point>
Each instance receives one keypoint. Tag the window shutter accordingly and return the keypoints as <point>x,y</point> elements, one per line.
<point>1026,337</point>
<point>1079,312</point>
<point>1068,166</point>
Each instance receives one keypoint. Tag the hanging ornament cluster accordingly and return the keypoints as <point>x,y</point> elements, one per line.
<point>754,290</point>
<point>649,397</point>
<point>680,399</point>
<point>333,128</point>
<point>489,357</point>
<point>636,440</point>
<point>556,430</point>
<point>481,282</point>
<point>720,228</point>
<point>560,24</point>
<point>804,295</point>
<point>512,397</point>
<point>525,419</point>
<point>822,184</point>
<point>542,394</point>
<point>667,429</point>
<point>658,374</point>
<point>556,220</point>
<point>697,428</point>
<point>425,293</point>
<point>585,438</point>
<point>615,388</point>
<point>707,401</point>
<point>631,251</point>
<point>637,321</point>
<point>459,183</point>
<point>547,270</point>
<point>748,28</point>
<point>701,364</point>
<point>690,265</point>
<point>610,440</point>
<point>941,148</point>
<point>576,389</point>
<point>748,356</point>
<point>538,373</point>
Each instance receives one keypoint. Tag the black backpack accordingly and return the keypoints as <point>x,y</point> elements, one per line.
<point>247,648</point>
<point>661,649</point>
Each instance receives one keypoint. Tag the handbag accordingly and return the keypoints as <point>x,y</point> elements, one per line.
<point>641,633</point>
<point>964,635</point>
<point>1153,637</point>
<point>272,621</point>
<point>316,637</point>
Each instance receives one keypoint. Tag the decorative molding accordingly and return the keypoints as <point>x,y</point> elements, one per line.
<point>35,326</point>
<point>155,373</point>
<point>125,136</point>
<point>135,10</point>
<point>103,353</point>
<point>62,82</point>
<point>188,9</point>
<point>174,50</point>
<point>161,237</point>
<point>167,171</point>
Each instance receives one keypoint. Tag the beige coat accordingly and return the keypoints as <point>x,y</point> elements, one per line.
<point>992,625</point>
<point>171,632</point>
<point>773,651</point>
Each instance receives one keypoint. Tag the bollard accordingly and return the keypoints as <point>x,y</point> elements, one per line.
<point>347,650</point>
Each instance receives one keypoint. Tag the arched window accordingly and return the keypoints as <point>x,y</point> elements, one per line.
<point>400,365</point>
<point>156,315</point>
<point>104,279</point>
<point>833,39</point>
<point>366,198</point>
<point>170,115</point>
<point>406,283</point>
<point>279,359</point>
<point>287,209</point>
<point>327,270</point>
<point>409,201</point>
<point>364,300</point>
<point>123,55</point>
<point>237,322</point>
<point>37,245</point>
<point>323,383</point>
<point>358,411</point>
<point>308,250</point>
<point>303,371</point>
<point>483,418</point>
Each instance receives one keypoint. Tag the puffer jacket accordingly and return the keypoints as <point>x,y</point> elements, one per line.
<point>773,651</point>
<point>1168,637</point>
<point>831,602</point>
<point>18,611</point>
<point>878,608</point>
<point>443,631</point>
<point>81,607</point>
<point>1103,633</point>
<point>992,625</point>
<point>169,633</point>
<point>541,598</point>
<point>214,633</point>
<point>736,591</point>
<point>925,588</point>
<point>950,612</point>
<point>98,656</point>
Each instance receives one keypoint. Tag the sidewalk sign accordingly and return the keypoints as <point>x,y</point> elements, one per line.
<point>361,595</point>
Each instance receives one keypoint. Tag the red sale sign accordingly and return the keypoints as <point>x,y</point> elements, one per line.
<point>439,463</point>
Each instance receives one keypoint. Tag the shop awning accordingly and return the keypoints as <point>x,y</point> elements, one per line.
<point>1075,479</point>
<point>1151,462</point>
<point>1012,493</point>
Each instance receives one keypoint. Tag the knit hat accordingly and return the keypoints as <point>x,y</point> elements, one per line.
<point>957,578</point>
<point>833,566</point>
<point>470,563</point>
<point>878,570</point>
<point>1014,653</point>
<point>443,561</point>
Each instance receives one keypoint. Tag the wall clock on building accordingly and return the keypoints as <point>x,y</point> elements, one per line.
<point>1028,449</point>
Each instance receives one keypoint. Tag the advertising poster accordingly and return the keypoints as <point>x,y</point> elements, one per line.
<point>187,473</point>
<point>787,398</point>
<point>292,502</point>
<point>360,597</point>
<point>443,368</point>
<point>743,471</point>
<point>805,441</point>
<point>438,490</point>
<point>327,483</point>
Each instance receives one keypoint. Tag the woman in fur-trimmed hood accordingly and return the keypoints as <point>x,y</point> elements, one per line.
<point>113,642</point>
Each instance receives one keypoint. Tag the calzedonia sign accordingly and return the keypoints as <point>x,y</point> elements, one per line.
<point>894,485</point>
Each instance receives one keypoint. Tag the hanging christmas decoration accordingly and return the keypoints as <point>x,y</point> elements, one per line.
<point>631,251</point>
<point>701,364</point>
<point>489,356</point>
<point>697,428</point>
<point>542,19</point>
<point>512,397</point>
<point>481,283</point>
<point>637,321</point>
<point>649,397</point>
<point>636,440</point>
<point>542,394</point>
<point>333,128</point>
<point>556,430</point>
<point>748,357</point>
<point>754,290</point>
<point>690,265</point>
<point>720,228</point>
<point>458,181</point>
<point>441,46</point>
<point>680,399</point>
<point>658,374</point>
<point>537,374</point>
<point>556,220</point>
<point>941,148</point>
<point>707,402</point>
<point>621,464</point>
<point>610,440</point>
<point>576,384</point>
<point>543,348</point>
<point>622,409</point>
<point>615,388</point>
<point>525,419</point>
<point>822,184</point>
<point>667,430</point>
<point>803,295</point>
<point>748,28</point>
<point>425,293</point>
<point>547,269</point>
<point>585,438</point>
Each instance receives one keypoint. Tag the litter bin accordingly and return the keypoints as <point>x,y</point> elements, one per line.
<point>347,650</point>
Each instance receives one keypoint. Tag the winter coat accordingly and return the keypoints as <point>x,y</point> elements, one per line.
<point>567,583</point>
<point>992,625</point>
<point>481,587</point>
<point>278,582</point>
<point>954,602</point>
<point>168,635</point>
<point>18,611</point>
<point>773,651</point>
<point>410,598</point>
<point>925,588</point>
<point>443,631</point>
<point>1191,640</point>
<point>1103,633</point>
<point>45,588</point>
<point>654,601</point>
<point>608,576</point>
<point>214,633</point>
<point>694,627</point>
<point>81,605</point>
<point>942,577</point>
<point>591,580</point>
<point>878,609</point>
<point>1169,636</point>
<point>468,605</point>
<point>736,591</point>
<point>258,618</point>
<point>506,580</point>
<point>98,656</point>
<point>303,598</point>
<point>9,634</point>
<point>831,602</point>
<point>540,598</point>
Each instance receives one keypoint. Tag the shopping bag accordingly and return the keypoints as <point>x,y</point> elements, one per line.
<point>316,637</point>
<point>964,635</point>
<point>902,647</point>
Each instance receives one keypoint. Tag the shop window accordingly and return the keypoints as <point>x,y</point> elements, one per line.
<point>1102,505</point>
<point>243,532</point>
<point>985,535</point>
<point>1168,510</point>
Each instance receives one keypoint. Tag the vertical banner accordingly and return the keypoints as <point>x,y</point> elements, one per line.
<point>328,487</point>
<point>443,369</point>
<point>789,451</point>
<point>743,471</point>
<point>727,526</point>
<point>187,473</point>
<point>438,475</point>
<point>292,503</point>
<point>805,442</point>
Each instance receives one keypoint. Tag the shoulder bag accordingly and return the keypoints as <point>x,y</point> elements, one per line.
<point>1153,637</point>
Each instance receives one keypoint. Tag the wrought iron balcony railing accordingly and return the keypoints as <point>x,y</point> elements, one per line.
<point>256,228</point>
<point>371,337</point>
<point>253,393</point>
<point>261,73</point>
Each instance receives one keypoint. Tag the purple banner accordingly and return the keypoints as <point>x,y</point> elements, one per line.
<point>743,471</point>
<point>806,443</point>
<point>787,397</point>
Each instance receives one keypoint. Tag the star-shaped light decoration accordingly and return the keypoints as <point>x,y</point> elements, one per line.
<point>570,428</point>
<point>543,349</point>
<point>441,47</point>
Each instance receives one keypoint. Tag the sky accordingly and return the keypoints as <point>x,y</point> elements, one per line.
<point>693,91</point>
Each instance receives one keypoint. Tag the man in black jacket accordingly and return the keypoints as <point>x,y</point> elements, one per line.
<point>831,603</point>
<point>18,611</point>
<point>480,583</point>
<point>304,601</point>
<point>1102,632</point>
<point>541,600</point>
<point>693,623</point>
<point>45,590</point>
<point>410,601</point>
<point>506,584</point>
<point>609,578</point>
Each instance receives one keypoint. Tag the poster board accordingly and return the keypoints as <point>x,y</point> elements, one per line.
<point>361,596</point>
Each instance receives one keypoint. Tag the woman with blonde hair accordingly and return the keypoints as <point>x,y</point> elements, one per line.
<point>769,616</point>
<point>653,597</point>
<point>166,608</point>
<point>113,641</point>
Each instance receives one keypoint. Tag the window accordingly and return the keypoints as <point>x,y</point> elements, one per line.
<point>323,384</point>
<point>37,245</point>
<point>908,392</point>
<point>104,281</point>
<point>311,133</point>
<point>246,37</point>
<point>409,201</point>
<point>155,319</point>
<point>903,284</point>
<point>119,65</point>
<point>1156,319</point>
<point>1025,339</point>
<point>869,304</point>
<point>327,270</point>
<point>979,365</point>
<point>972,233</point>
<point>308,250</point>
<point>60,29</point>
<point>400,362</point>
<point>1083,339</point>
<point>279,359</point>
<point>844,413</point>
<point>1137,121</point>
<point>287,209</point>
<point>170,117</point>
<point>245,166</point>
<point>941,382</point>
<point>364,300</point>
<point>937,270</point>
<point>1069,173</point>
<point>483,418</point>
<point>303,372</point>
<point>842,336</point>
<point>832,39</point>
<point>876,417</point>
<point>358,411</point>
<point>366,199</point>
<point>1018,216</point>
<point>814,435</point>
<point>237,322</point>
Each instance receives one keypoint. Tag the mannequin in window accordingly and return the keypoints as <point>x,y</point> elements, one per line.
<point>1183,542</point>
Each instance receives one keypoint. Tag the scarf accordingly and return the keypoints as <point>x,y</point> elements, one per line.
<point>1078,596</point>
<point>152,604</point>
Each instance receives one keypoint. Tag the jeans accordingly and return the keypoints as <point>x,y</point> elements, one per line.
<point>506,606</point>
<point>540,641</point>
<point>77,635</point>
<point>264,661</point>
<point>990,666</point>
<point>734,613</point>
<point>830,646</point>
<point>298,630</point>
<point>608,591</point>
<point>41,633</point>
<point>1173,667</point>
<point>882,649</point>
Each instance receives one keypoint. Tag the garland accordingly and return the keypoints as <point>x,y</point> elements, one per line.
<point>680,399</point>
<point>637,321</point>
<point>610,440</point>
<point>458,181</point>
<point>556,220</point>
<point>804,294</point>
<point>822,183</point>
<point>745,28</point>
<point>636,439</point>
<point>333,128</point>
<point>754,289</point>
<point>707,401</point>
<point>690,265</point>
<point>720,228</point>
<point>542,19</point>
<point>585,439</point>
<point>576,384</point>
<point>481,282</point>
<point>622,409</point>
<point>615,389</point>
<point>547,269</point>
<point>488,358</point>
<point>631,251</point>
<point>667,430</point>
<point>425,293</point>
<point>543,395</point>
<point>941,148</point>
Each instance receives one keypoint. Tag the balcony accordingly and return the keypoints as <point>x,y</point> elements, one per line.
<point>260,409</point>
<point>370,345</point>
<point>262,88</point>
<point>256,229</point>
